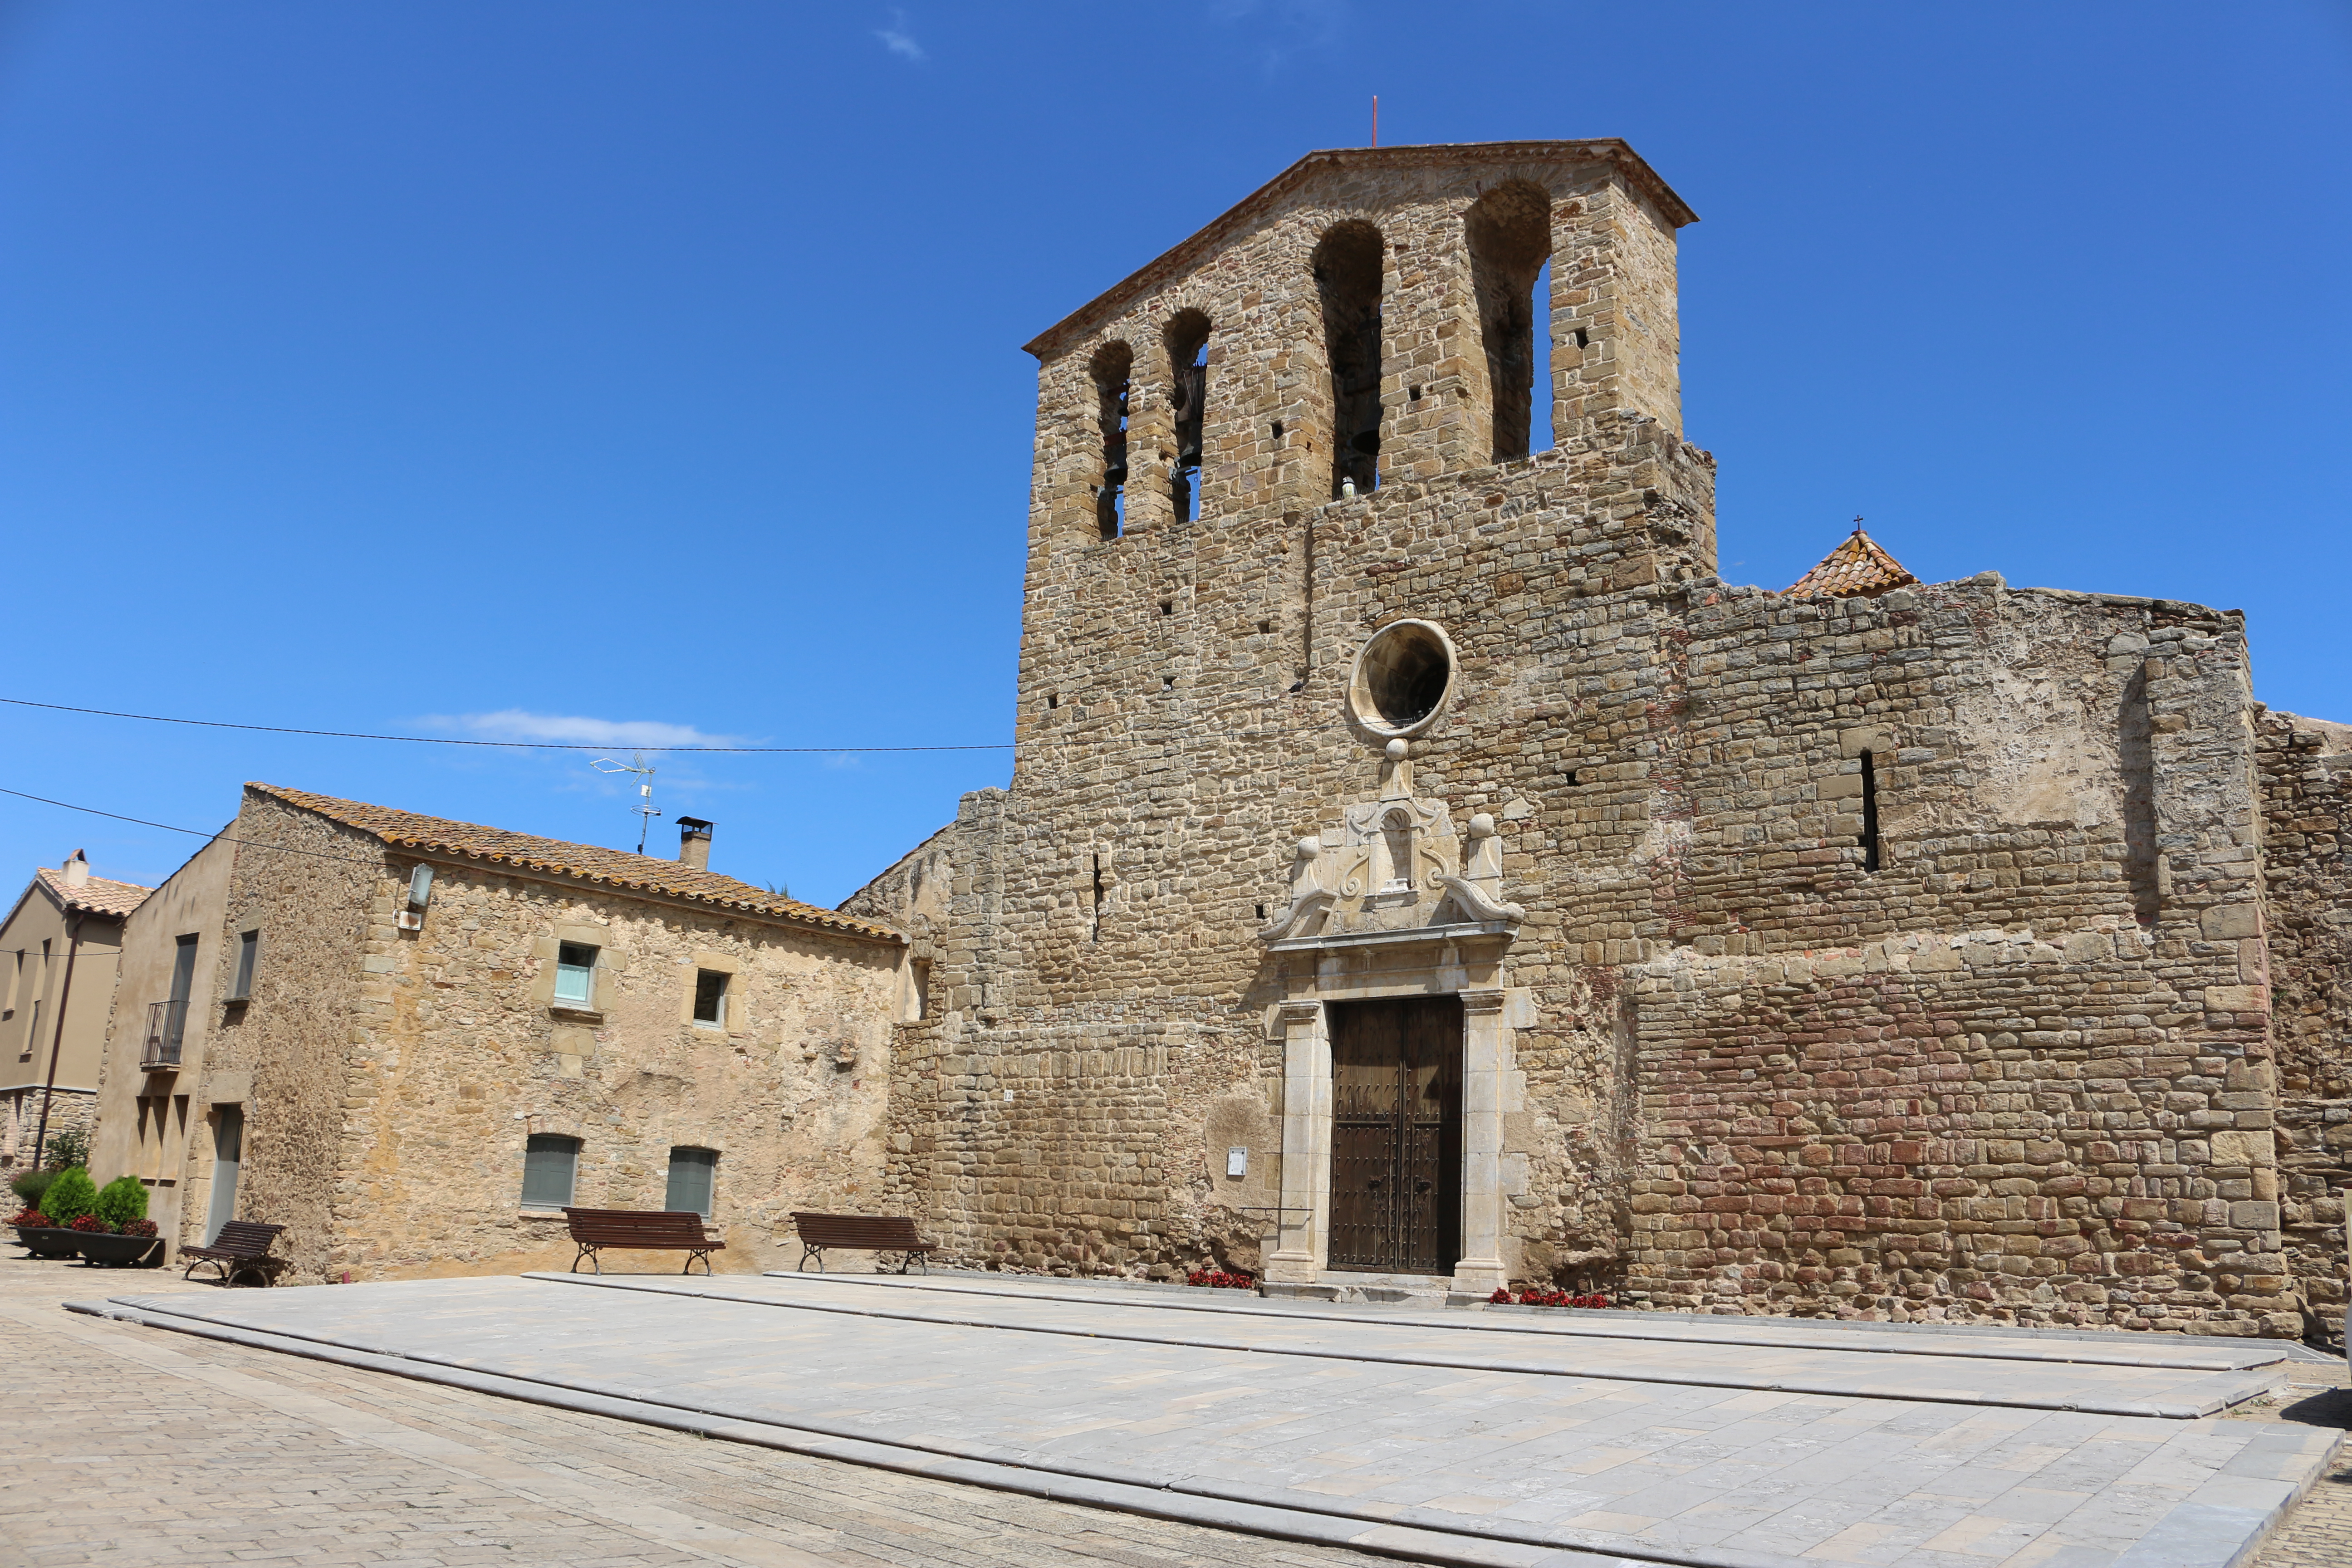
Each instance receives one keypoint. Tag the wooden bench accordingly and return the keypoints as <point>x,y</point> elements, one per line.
<point>861,1233</point>
<point>640,1230</point>
<point>241,1248</point>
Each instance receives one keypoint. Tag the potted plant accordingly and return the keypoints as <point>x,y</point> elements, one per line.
<point>117,1230</point>
<point>68,1197</point>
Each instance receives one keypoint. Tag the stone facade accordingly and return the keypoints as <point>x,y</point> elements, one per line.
<point>391,1062</point>
<point>2307,776</point>
<point>1904,956</point>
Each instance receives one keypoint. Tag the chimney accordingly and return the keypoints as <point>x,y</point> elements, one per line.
<point>77,870</point>
<point>694,843</point>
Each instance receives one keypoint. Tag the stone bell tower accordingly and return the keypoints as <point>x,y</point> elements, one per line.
<point>1287,545</point>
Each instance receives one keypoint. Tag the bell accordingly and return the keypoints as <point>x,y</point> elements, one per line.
<point>1115,473</point>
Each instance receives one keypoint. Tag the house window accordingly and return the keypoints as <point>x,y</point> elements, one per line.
<point>691,1171</point>
<point>183,985</point>
<point>575,976</point>
<point>710,996</point>
<point>550,1163</point>
<point>248,950</point>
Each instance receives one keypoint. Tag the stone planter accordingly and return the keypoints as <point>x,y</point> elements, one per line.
<point>146,1251</point>
<point>49,1241</point>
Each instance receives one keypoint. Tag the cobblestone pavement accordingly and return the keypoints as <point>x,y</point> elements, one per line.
<point>127,1445</point>
<point>1475,1441</point>
<point>2318,1533</point>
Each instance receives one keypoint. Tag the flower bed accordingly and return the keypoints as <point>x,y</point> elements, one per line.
<point>1217,1278</point>
<point>1532,1298</point>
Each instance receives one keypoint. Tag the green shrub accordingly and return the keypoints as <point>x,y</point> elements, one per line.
<point>120,1201</point>
<point>30,1184</point>
<point>67,1149</point>
<point>69,1197</point>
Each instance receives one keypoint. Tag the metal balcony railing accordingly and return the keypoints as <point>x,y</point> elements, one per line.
<point>167,1022</point>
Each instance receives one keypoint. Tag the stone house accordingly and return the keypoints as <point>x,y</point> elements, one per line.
<point>1420,866</point>
<point>412,1040</point>
<point>58,952</point>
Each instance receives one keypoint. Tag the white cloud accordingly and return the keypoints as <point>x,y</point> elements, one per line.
<point>898,40</point>
<point>515,724</point>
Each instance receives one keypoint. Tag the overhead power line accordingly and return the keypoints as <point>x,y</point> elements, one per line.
<point>190,832</point>
<point>507,745</point>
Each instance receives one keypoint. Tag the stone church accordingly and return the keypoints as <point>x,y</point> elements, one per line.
<point>1421,870</point>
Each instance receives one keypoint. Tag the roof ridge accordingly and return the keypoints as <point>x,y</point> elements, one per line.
<point>589,862</point>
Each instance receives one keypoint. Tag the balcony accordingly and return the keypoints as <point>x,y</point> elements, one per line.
<point>167,1022</point>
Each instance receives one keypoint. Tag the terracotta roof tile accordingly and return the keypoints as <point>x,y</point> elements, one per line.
<point>1856,566</point>
<point>590,862</point>
<point>98,895</point>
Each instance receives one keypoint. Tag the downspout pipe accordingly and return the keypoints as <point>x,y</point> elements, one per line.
<point>56,1041</point>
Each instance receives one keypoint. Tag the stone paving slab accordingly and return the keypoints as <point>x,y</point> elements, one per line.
<point>1509,1466</point>
<point>1520,1345</point>
<point>1968,1341</point>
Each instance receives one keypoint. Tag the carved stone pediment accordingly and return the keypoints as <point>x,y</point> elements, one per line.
<point>1395,869</point>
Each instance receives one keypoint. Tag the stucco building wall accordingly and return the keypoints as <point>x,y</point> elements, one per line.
<point>158,1126</point>
<point>44,1070</point>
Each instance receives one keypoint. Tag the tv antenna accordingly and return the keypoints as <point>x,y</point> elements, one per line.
<point>645,807</point>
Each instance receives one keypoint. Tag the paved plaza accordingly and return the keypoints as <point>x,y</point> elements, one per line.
<point>1093,1421</point>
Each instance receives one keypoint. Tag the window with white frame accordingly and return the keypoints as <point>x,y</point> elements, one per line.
<point>575,976</point>
<point>551,1166</point>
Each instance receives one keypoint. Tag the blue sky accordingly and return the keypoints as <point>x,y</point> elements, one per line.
<point>540,370</point>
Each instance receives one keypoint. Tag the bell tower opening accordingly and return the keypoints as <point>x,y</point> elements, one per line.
<point>1509,233</point>
<point>1113,371</point>
<point>1187,397</point>
<point>1347,267</point>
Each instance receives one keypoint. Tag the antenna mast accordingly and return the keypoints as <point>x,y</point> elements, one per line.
<point>645,807</point>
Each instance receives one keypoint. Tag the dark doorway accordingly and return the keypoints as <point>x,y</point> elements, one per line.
<point>1396,1135</point>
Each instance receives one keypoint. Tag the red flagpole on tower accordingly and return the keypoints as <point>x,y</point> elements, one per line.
<point>1376,120</point>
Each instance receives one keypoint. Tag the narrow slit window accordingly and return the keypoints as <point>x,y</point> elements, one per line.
<point>575,976</point>
<point>1096,935</point>
<point>1869,812</point>
<point>1113,372</point>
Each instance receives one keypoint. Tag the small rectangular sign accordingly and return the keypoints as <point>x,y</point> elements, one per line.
<point>1236,1161</point>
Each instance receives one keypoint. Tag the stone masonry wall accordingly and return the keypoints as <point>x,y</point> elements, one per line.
<point>462,1055</point>
<point>2020,1071</point>
<point>306,884</point>
<point>2306,774</point>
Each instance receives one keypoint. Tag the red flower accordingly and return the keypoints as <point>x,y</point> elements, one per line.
<point>30,1218</point>
<point>91,1225</point>
<point>140,1228</point>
